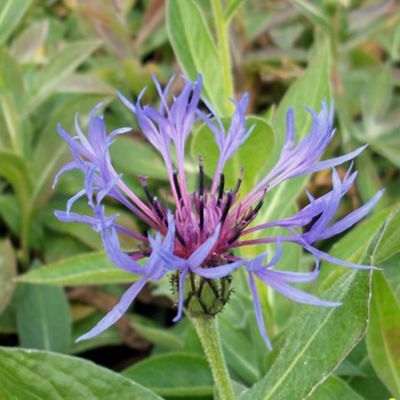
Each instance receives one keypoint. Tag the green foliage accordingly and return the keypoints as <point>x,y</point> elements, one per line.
<point>8,271</point>
<point>31,374</point>
<point>87,269</point>
<point>43,318</point>
<point>383,340</point>
<point>10,15</point>
<point>178,375</point>
<point>335,388</point>
<point>195,49</point>
<point>316,330</point>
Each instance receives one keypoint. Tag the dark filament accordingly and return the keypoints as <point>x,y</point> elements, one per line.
<point>157,209</point>
<point>220,189</point>
<point>201,212</point>
<point>201,176</point>
<point>227,206</point>
<point>143,182</point>
<point>238,183</point>
<point>177,187</point>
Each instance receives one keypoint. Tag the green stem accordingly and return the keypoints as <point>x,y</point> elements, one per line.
<point>207,330</point>
<point>223,43</point>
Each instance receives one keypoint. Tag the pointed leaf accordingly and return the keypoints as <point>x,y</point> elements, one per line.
<point>60,66</point>
<point>11,13</point>
<point>87,269</point>
<point>195,49</point>
<point>174,374</point>
<point>8,271</point>
<point>43,318</point>
<point>333,332</point>
<point>383,335</point>
<point>335,388</point>
<point>32,375</point>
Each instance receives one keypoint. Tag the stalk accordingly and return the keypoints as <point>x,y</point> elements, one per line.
<point>207,330</point>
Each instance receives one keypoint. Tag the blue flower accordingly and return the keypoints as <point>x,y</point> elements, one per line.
<point>198,236</point>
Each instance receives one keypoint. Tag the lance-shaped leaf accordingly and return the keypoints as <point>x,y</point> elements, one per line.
<point>383,335</point>
<point>8,270</point>
<point>30,375</point>
<point>87,269</point>
<point>195,49</point>
<point>318,338</point>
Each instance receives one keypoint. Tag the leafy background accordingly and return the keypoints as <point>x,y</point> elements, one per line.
<point>62,57</point>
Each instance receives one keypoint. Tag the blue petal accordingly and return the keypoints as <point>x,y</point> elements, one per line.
<point>352,218</point>
<point>276,282</point>
<point>117,312</point>
<point>293,277</point>
<point>258,312</point>
<point>219,271</point>
<point>126,102</point>
<point>333,162</point>
<point>327,257</point>
<point>181,287</point>
<point>68,167</point>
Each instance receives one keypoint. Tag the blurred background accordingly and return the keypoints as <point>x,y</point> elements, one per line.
<point>58,58</point>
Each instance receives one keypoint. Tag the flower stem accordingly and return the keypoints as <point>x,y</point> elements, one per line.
<point>207,330</point>
<point>223,43</point>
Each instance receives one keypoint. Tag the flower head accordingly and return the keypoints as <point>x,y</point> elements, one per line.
<point>194,238</point>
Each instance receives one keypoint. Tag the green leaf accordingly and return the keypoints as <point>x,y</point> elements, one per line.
<point>59,247</point>
<point>333,332</point>
<point>253,155</point>
<point>26,46</point>
<point>8,271</point>
<point>87,269</point>
<point>147,162</point>
<point>299,367</point>
<point>14,170</point>
<point>335,388</point>
<point>368,385</point>
<point>243,362</point>
<point>43,318</point>
<point>60,66</point>
<point>232,8</point>
<point>159,335</point>
<point>347,368</point>
<point>195,49</point>
<point>383,338</point>
<point>11,93</point>
<point>81,232</point>
<point>85,83</point>
<point>8,319</point>
<point>10,213</point>
<point>368,182</point>
<point>390,242</point>
<point>376,98</point>
<point>174,374</point>
<point>11,13</point>
<point>314,13</point>
<point>32,375</point>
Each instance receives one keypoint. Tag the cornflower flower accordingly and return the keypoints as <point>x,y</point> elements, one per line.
<point>194,235</point>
